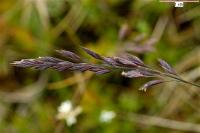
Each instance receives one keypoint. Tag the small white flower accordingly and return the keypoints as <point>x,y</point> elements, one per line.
<point>107,116</point>
<point>67,112</point>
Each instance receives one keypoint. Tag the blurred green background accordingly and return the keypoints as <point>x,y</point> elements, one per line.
<point>29,99</point>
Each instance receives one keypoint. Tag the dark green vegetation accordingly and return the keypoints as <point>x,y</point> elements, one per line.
<point>29,99</point>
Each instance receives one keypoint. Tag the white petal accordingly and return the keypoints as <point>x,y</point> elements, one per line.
<point>70,121</point>
<point>107,116</point>
<point>65,107</point>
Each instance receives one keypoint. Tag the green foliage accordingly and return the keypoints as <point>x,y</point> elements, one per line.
<point>29,29</point>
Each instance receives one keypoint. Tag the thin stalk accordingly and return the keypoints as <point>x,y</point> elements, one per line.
<point>175,77</point>
<point>158,73</point>
<point>182,80</point>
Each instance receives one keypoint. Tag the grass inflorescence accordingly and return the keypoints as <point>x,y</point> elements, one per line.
<point>129,65</point>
